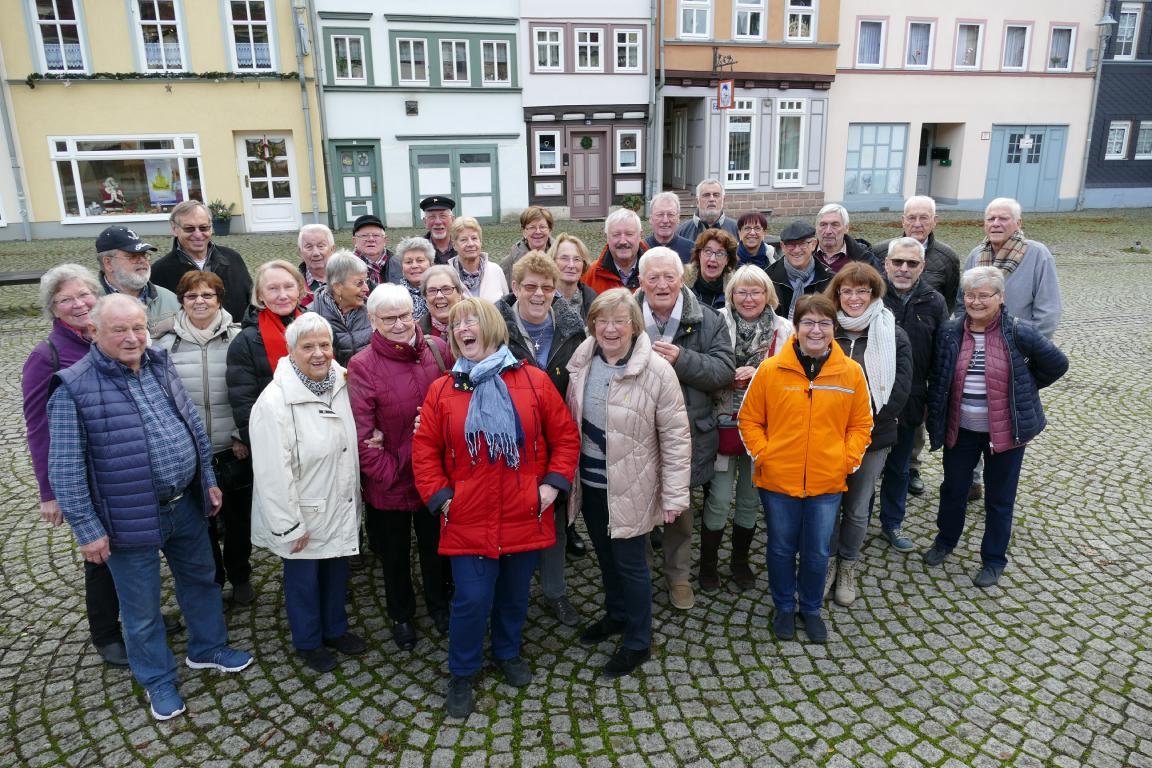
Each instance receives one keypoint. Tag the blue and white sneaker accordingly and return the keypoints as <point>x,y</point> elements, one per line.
<point>165,701</point>
<point>225,659</point>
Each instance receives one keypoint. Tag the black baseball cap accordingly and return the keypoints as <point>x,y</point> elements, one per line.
<point>437,203</point>
<point>122,239</point>
<point>367,220</point>
<point>797,230</point>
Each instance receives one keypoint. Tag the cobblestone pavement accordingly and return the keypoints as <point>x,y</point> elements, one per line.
<point>1052,668</point>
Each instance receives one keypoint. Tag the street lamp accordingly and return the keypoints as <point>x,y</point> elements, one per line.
<point>1104,34</point>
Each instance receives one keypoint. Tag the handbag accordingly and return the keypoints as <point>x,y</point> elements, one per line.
<point>731,444</point>
<point>231,473</point>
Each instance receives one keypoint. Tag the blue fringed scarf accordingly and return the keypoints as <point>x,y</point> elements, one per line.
<point>491,412</point>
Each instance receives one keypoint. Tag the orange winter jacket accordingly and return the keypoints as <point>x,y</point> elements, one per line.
<point>804,437</point>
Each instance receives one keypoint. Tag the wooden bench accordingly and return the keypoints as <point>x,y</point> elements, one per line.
<point>30,277</point>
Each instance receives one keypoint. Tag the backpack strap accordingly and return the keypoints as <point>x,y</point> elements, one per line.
<point>436,354</point>
<point>55,355</point>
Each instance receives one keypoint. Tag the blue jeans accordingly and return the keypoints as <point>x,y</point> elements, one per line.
<point>1001,476</point>
<point>894,484</point>
<point>136,570</point>
<point>487,587</point>
<point>314,592</point>
<point>623,570</point>
<point>804,527</point>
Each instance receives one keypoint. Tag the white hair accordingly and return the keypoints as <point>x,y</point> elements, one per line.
<point>1005,202</point>
<point>920,200</point>
<point>906,242</point>
<point>658,253</point>
<point>389,296</point>
<point>978,276</point>
<point>835,208</point>
<point>669,196</point>
<point>315,229</point>
<point>51,281</point>
<point>620,215</point>
<point>344,264</point>
<point>700,186</point>
<point>104,302</point>
<point>309,322</point>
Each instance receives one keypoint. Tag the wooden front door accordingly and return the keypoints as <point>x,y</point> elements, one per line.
<point>588,183</point>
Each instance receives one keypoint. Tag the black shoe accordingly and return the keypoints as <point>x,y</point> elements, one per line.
<point>657,538</point>
<point>575,544</point>
<point>915,484</point>
<point>624,662</point>
<point>172,624</point>
<point>319,659</point>
<point>598,632</point>
<point>564,611</point>
<point>243,594</point>
<point>517,672</point>
<point>114,653</point>
<point>440,620</point>
<point>349,644</point>
<point>404,634</point>
<point>935,556</point>
<point>459,703</point>
<point>814,627</point>
<point>784,625</point>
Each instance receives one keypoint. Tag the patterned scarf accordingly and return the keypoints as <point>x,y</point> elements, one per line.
<point>753,338</point>
<point>1008,257</point>
<point>471,280</point>
<point>419,305</point>
<point>318,388</point>
<point>490,411</point>
<point>799,280</point>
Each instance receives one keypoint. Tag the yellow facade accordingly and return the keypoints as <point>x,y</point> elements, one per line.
<point>217,112</point>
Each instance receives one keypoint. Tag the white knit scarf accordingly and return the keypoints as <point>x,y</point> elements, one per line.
<point>880,354</point>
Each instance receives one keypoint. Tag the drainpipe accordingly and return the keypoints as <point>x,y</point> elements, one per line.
<point>13,152</point>
<point>301,52</point>
<point>318,71</point>
<point>655,121</point>
<point>1103,37</point>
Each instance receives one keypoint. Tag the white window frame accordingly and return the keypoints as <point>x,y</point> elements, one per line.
<point>493,45</point>
<point>696,7</point>
<point>979,25</point>
<point>859,38</point>
<point>637,46</point>
<point>413,41</point>
<point>1071,46</point>
<point>558,44</point>
<point>786,108</point>
<point>141,25</point>
<point>748,9</point>
<point>56,24</point>
<point>233,24</point>
<point>1125,129</point>
<point>1133,10</point>
<point>800,8</point>
<point>598,46</point>
<point>186,147</point>
<point>1004,66</point>
<point>536,166</point>
<point>337,78</point>
<point>454,44</point>
<point>1144,126</point>
<point>619,136</point>
<point>931,43</point>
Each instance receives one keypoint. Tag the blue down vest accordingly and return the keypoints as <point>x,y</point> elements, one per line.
<point>119,473</point>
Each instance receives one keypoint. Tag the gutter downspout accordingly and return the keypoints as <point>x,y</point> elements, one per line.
<point>1103,37</point>
<point>318,70</point>
<point>301,42</point>
<point>657,160</point>
<point>654,120</point>
<point>13,153</point>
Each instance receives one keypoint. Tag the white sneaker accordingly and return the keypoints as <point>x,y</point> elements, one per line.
<point>846,583</point>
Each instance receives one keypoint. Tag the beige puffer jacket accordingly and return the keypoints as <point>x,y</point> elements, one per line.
<point>649,444</point>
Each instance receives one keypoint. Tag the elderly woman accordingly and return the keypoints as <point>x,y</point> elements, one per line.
<point>305,507</point>
<point>388,382</point>
<point>757,333</point>
<point>252,357</point>
<point>866,331</point>
<point>198,347</point>
<point>713,259</point>
<point>572,258</point>
<point>481,278</point>
<point>755,247</point>
<point>341,302</point>
<point>494,447</point>
<point>416,255</point>
<point>984,401</point>
<point>635,465</point>
<point>536,226</point>
<point>67,294</point>
<point>806,421</point>
<point>316,244</point>
<point>442,289</point>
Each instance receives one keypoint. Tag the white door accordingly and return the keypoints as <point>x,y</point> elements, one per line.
<point>268,169</point>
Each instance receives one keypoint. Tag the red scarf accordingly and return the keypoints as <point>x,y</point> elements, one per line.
<point>272,328</point>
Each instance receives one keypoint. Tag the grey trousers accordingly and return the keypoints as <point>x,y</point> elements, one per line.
<point>552,559</point>
<point>678,548</point>
<point>856,506</point>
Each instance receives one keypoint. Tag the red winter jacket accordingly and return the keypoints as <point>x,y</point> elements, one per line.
<point>495,510</point>
<point>387,382</point>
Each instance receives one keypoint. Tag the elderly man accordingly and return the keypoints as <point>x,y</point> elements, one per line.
<point>438,217</point>
<point>836,247</point>
<point>920,310</point>
<point>124,268</point>
<point>798,272</point>
<point>617,265</point>
<point>709,212</point>
<point>664,216</point>
<point>371,246</point>
<point>695,340</point>
<point>941,264</point>
<point>131,466</point>
<point>192,248</point>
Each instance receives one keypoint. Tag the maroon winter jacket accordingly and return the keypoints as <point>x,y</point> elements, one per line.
<point>387,382</point>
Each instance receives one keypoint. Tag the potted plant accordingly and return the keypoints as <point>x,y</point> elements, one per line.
<point>633,202</point>
<point>221,213</point>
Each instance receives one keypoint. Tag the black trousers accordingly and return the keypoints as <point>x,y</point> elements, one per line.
<point>390,534</point>
<point>623,570</point>
<point>102,604</point>
<point>235,518</point>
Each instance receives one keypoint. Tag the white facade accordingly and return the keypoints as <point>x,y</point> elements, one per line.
<point>973,103</point>
<point>9,201</point>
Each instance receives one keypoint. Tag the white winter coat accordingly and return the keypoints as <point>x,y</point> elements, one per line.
<point>306,468</point>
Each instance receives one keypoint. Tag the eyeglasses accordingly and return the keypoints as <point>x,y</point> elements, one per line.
<point>79,298</point>
<point>612,322</point>
<point>447,290</point>
<point>983,298</point>
<point>901,263</point>
<point>742,295</point>
<point>371,236</point>
<point>824,325</point>
<point>751,228</point>
<point>194,297</point>
<point>133,256</point>
<point>713,254</point>
<point>466,322</point>
<point>569,260</point>
<point>190,229</point>
<point>391,321</point>
<point>855,292</point>
<point>533,288</point>
<point>795,245</point>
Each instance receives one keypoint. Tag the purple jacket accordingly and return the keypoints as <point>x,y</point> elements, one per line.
<point>41,364</point>
<point>387,382</point>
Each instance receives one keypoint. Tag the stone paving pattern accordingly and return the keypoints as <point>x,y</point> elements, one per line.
<point>1052,668</point>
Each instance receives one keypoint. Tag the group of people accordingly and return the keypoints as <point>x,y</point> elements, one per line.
<point>483,405</point>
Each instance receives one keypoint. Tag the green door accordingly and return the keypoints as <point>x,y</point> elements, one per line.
<point>357,175</point>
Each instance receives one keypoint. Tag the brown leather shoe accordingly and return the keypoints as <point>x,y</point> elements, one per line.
<point>680,593</point>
